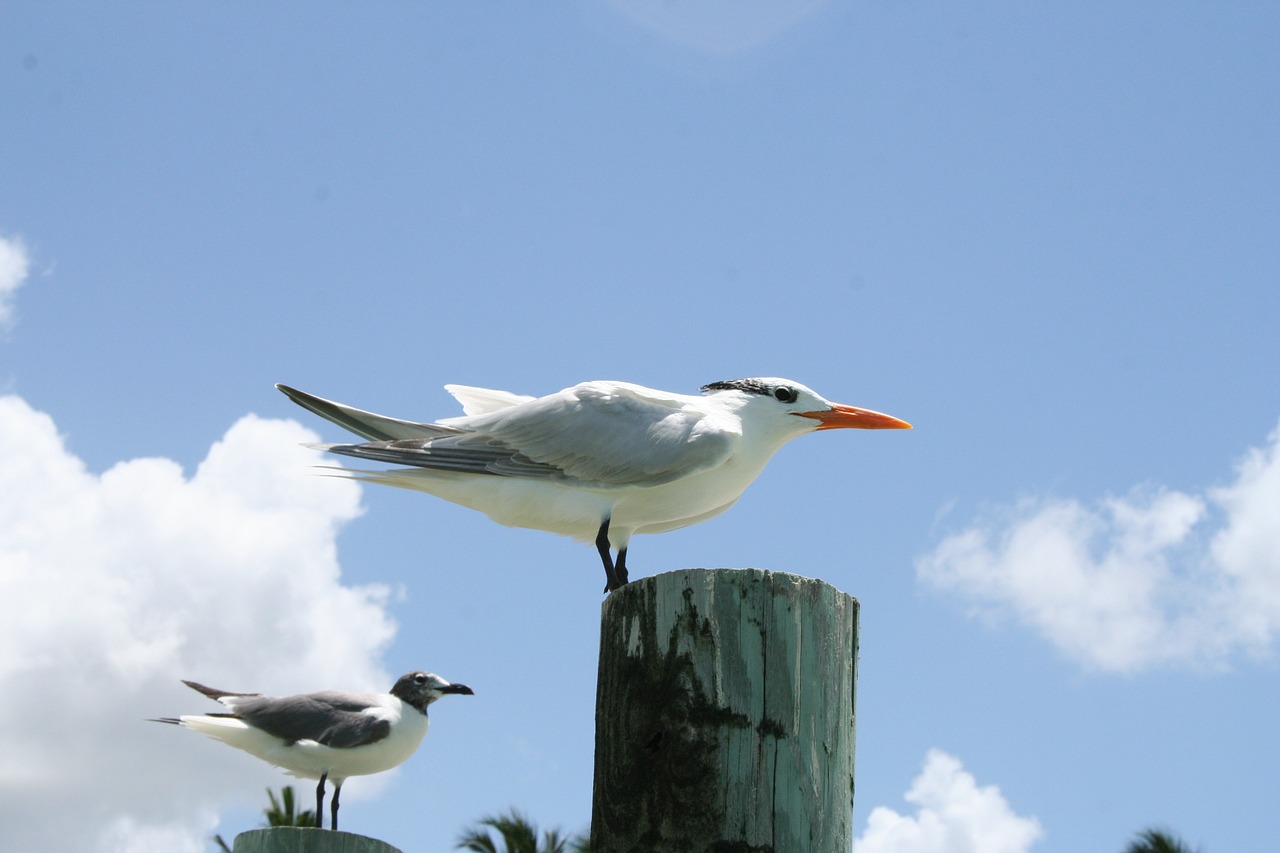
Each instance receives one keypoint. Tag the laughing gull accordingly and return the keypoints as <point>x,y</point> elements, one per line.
<point>329,735</point>
<point>599,461</point>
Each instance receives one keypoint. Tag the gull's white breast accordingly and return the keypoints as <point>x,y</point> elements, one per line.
<point>309,759</point>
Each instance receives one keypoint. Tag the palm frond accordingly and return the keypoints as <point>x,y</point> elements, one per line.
<point>518,834</point>
<point>477,841</point>
<point>283,812</point>
<point>1155,840</point>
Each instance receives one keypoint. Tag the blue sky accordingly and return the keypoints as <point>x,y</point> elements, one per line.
<point>1045,236</point>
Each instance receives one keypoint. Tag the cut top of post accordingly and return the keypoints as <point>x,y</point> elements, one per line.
<point>295,839</point>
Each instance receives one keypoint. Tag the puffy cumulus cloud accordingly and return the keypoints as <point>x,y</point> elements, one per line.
<point>13,272</point>
<point>953,815</point>
<point>1155,578</point>
<point>118,584</point>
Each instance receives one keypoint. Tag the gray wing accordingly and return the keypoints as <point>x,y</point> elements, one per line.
<point>213,692</point>
<point>362,423</point>
<point>331,718</point>
<point>604,434</point>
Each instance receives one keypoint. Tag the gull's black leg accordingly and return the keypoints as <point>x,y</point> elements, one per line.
<point>320,801</point>
<point>620,567</point>
<point>602,545</point>
<point>333,806</point>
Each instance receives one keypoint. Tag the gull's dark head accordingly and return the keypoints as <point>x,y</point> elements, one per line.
<point>785,397</point>
<point>420,689</point>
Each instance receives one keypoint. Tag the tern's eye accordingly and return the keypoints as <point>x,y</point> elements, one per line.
<point>785,394</point>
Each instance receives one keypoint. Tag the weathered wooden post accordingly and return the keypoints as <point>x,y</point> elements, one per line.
<point>296,839</point>
<point>725,715</point>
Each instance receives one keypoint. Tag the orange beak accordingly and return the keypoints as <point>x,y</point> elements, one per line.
<point>850,417</point>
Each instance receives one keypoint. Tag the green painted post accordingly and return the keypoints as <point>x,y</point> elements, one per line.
<point>725,715</point>
<point>295,839</point>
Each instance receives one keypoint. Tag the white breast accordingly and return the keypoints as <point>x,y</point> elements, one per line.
<point>309,759</point>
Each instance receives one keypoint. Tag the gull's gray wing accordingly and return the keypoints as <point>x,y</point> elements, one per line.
<point>332,718</point>
<point>364,424</point>
<point>214,693</point>
<point>597,433</point>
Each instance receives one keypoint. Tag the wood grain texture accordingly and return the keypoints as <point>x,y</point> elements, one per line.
<point>725,715</point>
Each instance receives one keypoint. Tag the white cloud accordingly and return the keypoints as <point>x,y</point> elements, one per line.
<point>953,815</point>
<point>1157,577</point>
<point>13,272</point>
<point>119,584</point>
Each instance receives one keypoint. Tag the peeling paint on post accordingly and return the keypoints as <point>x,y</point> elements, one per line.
<point>725,715</point>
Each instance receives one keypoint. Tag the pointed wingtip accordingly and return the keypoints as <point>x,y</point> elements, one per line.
<point>211,692</point>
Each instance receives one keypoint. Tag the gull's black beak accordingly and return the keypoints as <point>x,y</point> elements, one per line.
<point>458,688</point>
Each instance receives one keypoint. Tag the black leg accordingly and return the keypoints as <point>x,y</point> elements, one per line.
<point>320,801</point>
<point>333,806</point>
<point>620,567</point>
<point>602,545</point>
